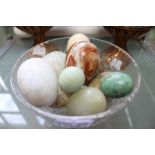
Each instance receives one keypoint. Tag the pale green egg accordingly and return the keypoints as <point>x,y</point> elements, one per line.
<point>86,101</point>
<point>71,79</point>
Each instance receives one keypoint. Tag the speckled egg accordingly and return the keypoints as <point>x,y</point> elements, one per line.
<point>85,55</point>
<point>71,79</point>
<point>76,38</point>
<point>56,60</point>
<point>116,84</point>
<point>86,101</point>
<point>37,82</point>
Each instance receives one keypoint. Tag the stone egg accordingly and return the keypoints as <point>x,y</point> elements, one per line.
<point>96,81</point>
<point>85,55</point>
<point>86,101</point>
<point>116,84</point>
<point>37,82</point>
<point>76,38</point>
<point>56,60</point>
<point>62,98</point>
<point>71,79</point>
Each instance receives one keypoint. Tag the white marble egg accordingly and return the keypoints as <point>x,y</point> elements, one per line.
<point>76,38</point>
<point>56,60</point>
<point>37,82</point>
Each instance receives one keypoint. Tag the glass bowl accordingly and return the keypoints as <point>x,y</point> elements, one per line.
<point>112,57</point>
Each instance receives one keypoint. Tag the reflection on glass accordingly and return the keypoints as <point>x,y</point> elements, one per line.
<point>2,84</point>
<point>116,63</point>
<point>114,58</point>
<point>7,104</point>
<point>10,113</point>
<point>40,120</point>
<point>14,119</point>
<point>1,121</point>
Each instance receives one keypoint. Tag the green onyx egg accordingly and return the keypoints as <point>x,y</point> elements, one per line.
<point>116,84</point>
<point>86,101</point>
<point>71,79</point>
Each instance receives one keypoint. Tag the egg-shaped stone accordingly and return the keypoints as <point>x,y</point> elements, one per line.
<point>85,55</point>
<point>96,81</point>
<point>86,101</point>
<point>116,84</point>
<point>62,98</point>
<point>56,60</point>
<point>76,38</point>
<point>37,82</point>
<point>71,79</point>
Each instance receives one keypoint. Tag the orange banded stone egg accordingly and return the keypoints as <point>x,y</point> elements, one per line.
<point>86,56</point>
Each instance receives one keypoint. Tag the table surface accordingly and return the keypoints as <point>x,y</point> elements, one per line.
<point>140,113</point>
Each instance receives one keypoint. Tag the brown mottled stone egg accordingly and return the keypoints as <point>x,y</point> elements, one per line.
<point>86,56</point>
<point>76,38</point>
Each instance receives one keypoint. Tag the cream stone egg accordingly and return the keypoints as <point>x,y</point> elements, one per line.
<point>56,60</point>
<point>62,97</point>
<point>86,101</point>
<point>76,38</point>
<point>37,82</point>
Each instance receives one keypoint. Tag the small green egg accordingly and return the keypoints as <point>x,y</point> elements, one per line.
<point>116,84</point>
<point>71,79</point>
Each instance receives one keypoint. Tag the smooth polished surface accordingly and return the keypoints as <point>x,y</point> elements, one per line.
<point>139,114</point>
<point>116,84</point>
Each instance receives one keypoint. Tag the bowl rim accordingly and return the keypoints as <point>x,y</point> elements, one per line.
<point>107,113</point>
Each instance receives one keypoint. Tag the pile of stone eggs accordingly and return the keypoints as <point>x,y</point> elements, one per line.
<point>72,79</point>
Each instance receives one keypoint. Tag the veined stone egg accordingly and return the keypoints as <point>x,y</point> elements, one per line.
<point>76,38</point>
<point>85,55</point>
